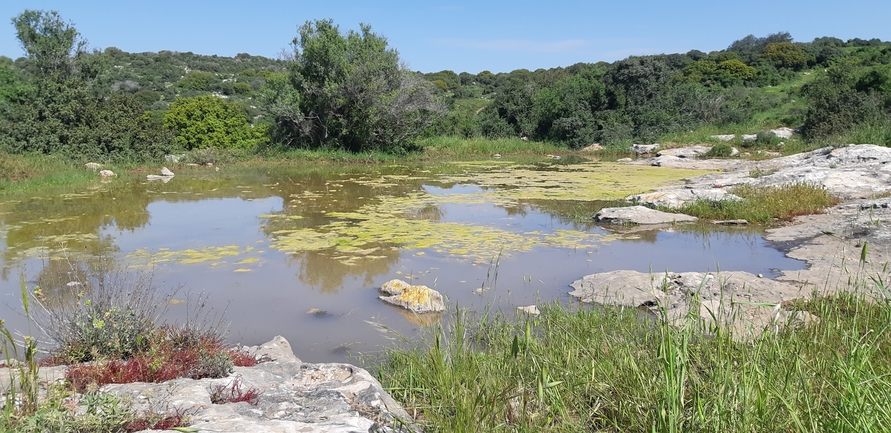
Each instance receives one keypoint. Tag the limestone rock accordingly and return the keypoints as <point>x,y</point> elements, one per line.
<point>294,397</point>
<point>166,172</point>
<point>278,349</point>
<point>639,215</point>
<point>592,148</point>
<point>107,173</point>
<point>723,137</point>
<point>675,198</point>
<point>92,166</point>
<point>417,298</point>
<point>529,309</point>
<point>685,152</point>
<point>642,149</point>
<point>738,300</point>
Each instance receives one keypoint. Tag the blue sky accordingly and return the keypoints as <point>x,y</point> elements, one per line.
<point>460,35</point>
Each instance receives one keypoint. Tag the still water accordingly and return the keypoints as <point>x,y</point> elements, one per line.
<point>270,245</point>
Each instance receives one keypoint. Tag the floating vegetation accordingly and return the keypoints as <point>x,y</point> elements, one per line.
<point>583,182</point>
<point>190,256</point>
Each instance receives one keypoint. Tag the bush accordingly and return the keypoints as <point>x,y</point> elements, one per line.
<point>207,121</point>
<point>721,150</point>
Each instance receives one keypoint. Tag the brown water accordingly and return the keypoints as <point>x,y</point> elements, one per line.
<point>271,245</point>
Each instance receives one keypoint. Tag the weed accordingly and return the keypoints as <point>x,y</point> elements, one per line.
<point>233,393</point>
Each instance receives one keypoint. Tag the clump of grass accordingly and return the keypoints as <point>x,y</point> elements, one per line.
<point>764,204</point>
<point>720,150</point>
<point>606,369</point>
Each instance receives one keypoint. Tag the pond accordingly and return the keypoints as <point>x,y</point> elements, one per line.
<point>300,251</point>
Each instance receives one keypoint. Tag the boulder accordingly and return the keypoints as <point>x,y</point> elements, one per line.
<point>685,152</point>
<point>107,173</point>
<point>92,166</point>
<point>639,215</point>
<point>642,149</point>
<point>166,172</point>
<point>723,137</point>
<point>416,298</point>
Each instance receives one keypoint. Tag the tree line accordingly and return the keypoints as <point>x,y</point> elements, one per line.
<point>349,90</point>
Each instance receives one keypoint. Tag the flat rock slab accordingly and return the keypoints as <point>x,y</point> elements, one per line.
<point>639,215</point>
<point>742,301</point>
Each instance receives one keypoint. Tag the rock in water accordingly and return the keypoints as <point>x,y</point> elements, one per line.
<point>417,298</point>
<point>166,172</point>
<point>639,215</point>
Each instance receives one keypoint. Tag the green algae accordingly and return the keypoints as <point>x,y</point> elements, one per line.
<point>583,182</point>
<point>190,256</point>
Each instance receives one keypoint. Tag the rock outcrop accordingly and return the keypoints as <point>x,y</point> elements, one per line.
<point>416,298</point>
<point>849,172</point>
<point>744,302</point>
<point>293,397</point>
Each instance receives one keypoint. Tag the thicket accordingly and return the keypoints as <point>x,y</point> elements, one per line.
<point>349,91</point>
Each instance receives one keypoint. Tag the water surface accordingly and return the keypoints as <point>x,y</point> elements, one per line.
<point>271,245</point>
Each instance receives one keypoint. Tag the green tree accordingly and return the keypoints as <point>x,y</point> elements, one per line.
<point>64,107</point>
<point>207,121</point>
<point>785,55</point>
<point>50,42</point>
<point>353,93</point>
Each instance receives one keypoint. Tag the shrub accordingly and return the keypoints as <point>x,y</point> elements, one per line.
<point>720,150</point>
<point>207,121</point>
<point>101,314</point>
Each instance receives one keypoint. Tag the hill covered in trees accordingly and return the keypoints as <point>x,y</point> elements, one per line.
<point>348,90</point>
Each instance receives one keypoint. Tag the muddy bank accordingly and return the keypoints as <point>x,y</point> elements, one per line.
<point>845,248</point>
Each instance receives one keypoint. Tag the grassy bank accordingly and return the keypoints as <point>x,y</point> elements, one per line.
<point>764,204</point>
<point>578,369</point>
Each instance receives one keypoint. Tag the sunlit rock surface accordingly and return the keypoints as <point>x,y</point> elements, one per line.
<point>294,397</point>
<point>639,215</point>
<point>419,299</point>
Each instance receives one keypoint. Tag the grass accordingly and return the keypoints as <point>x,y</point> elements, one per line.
<point>577,369</point>
<point>764,204</point>
<point>25,173</point>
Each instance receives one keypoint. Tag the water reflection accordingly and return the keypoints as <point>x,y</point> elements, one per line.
<point>274,244</point>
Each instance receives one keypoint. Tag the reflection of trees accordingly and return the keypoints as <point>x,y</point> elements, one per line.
<point>326,273</point>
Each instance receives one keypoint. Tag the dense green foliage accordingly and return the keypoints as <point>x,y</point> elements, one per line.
<point>207,121</point>
<point>56,104</point>
<point>349,91</point>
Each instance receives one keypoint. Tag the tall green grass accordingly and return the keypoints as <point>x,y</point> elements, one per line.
<point>578,368</point>
<point>763,204</point>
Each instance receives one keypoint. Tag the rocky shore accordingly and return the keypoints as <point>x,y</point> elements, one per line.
<point>831,243</point>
